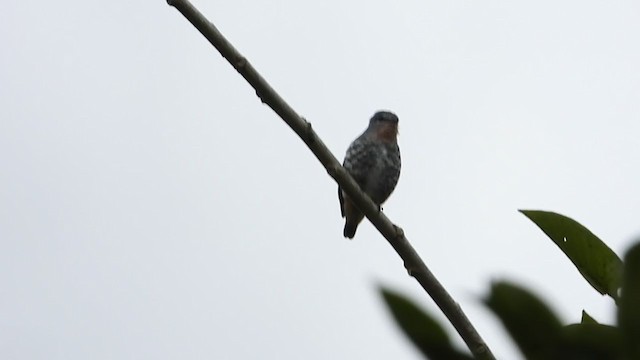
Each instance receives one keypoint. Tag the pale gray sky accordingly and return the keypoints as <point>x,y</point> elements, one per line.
<point>152,208</point>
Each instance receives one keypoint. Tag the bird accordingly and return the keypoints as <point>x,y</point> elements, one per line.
<point>373,160</point>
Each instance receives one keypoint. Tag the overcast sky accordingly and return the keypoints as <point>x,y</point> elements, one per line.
<point>152,208</point>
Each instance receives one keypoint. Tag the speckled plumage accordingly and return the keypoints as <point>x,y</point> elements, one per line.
<point>373,159</point>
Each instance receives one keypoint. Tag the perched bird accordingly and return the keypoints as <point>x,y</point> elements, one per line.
<point>373,160</point>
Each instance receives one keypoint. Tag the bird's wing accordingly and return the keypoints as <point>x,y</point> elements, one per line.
<point>341,199</point>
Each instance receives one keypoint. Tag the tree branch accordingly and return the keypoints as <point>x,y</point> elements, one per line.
<point>394,234</point>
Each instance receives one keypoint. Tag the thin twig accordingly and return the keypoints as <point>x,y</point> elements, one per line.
<point>412,261</point>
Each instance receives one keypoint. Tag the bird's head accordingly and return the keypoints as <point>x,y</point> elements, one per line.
<point>384,125</point>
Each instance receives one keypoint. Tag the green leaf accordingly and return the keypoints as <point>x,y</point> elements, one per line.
<point>423,331</point>
<point>531,324</point>
<point>597,263</point>
<point>587,319</point>
<point>588,341</point>
<point>629,304</point>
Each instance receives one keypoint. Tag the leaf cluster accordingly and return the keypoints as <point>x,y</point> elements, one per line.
<point>530,322</point>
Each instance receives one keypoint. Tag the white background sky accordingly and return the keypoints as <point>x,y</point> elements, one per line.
<point>152,208</point>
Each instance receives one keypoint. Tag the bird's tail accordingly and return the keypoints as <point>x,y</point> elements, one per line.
<point>353,219</point>
<point>350,230</point>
